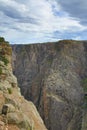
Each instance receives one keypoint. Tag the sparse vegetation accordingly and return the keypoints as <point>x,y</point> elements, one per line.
<point>66,41</point>
<point>4,59</point>
<point>85,104</point>
<point>2,39</point>
<point>9,90</point>
<point>0,71</point>
<point>5,50</point>
<point>85,91</point>
<point>50,60</point>
<point>85,84</point>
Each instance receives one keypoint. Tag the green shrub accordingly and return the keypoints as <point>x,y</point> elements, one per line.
<point>85,91</point>
<point>50,60</point>
<point>2,39</point>
<point>4,59</point>
<point>84,82</point>
<point>0,71</point>
<point>7,43</point>
<point>85,102</point>
<point>9,90</point>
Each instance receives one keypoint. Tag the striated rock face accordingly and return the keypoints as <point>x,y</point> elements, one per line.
<point>16,113</point>
<point>51,76</point>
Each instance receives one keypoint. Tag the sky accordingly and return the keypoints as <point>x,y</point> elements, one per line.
<point>37,21</point>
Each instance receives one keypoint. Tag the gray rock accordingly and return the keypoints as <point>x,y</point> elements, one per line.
<point>50,75</point>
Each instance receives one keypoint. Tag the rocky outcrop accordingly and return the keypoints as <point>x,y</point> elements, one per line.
<point>16,113</point>
<point>51,76</point>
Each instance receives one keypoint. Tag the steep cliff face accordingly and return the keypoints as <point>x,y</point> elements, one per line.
<point>16,113</point>
<point>51,76</point>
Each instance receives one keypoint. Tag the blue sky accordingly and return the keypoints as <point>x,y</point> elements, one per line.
<point>36,21</point>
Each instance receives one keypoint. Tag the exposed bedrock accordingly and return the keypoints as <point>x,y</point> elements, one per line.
<point>51,76</point>
<point>16,113</point>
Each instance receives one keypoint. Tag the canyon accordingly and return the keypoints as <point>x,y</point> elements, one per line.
<point>53,76</point>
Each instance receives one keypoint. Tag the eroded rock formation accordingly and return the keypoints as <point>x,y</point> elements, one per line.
<point>51,76</point>
<point>16,113</point>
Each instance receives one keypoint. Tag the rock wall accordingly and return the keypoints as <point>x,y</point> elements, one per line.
<point>51,76</point>
<point>16,113</point>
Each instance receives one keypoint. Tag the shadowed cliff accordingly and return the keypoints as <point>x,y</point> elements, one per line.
<point>51,75</point>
